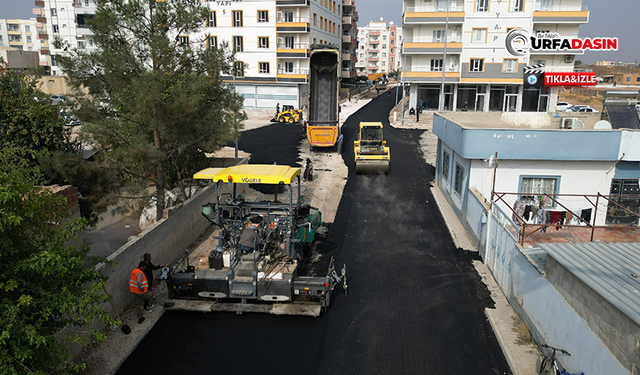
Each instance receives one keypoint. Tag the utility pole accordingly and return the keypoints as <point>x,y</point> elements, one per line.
<point>444,60</point>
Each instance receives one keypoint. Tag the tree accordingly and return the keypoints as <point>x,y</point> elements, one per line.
<point>44,283</point>
<point>168,103</point>
<point>27,119</point>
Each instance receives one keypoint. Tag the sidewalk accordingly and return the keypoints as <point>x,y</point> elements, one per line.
<point>523,357</point>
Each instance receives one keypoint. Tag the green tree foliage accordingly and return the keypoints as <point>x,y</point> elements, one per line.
<point>44,283</point>
<point>167,102</point>
<point>27,118</point>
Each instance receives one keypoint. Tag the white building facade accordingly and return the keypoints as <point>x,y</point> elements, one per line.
<point>272,41</point>
<point>22,35</point>
<point>349,39</point>
<point>67,19</point>
<point>463,44</point>
<point>379,48</point>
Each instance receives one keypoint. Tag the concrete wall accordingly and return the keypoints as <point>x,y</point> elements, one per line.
<point>619,333</point>
<point>549,317</point>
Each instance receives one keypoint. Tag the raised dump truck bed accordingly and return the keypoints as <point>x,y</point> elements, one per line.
<point>324,84</point>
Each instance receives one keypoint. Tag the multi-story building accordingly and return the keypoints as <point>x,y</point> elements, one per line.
<point>379,48</point>
<point>67,19</point>
<point>20,34</point>
<point>349,39</point>
<point>272,42</point>
<point>463,44</point>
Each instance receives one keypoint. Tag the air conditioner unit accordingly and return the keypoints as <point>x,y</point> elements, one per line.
<point>567,123</point>
<point>569,58</point>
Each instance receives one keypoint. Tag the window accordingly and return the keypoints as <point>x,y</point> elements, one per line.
<point>438,36</point>
<point>314,40</point>
<point>183,40</point>
<point>436,65</point>
<point>325,24</point>
<point>384,46</point>
<point>27,29</point>
<point>510,66</point>
<point>211,22</point>
<point>315,19</point>
<point>532,188</point>
<point>517,5</point>
<point>90,42</point>
<point>28,39</point>
<point>54,12</point>
<point>1,43</point>
<point>56,28</point>
<point>264,67</point>
<point>479,36</point>
<point>237,18</point>
<point>445,165</point>
<point>86,3</point>
<point>288,42</point>
<point>288,16</point>
<point>539,62</point>
<point>482,5</point>
<point>238,69</point>
<point>476,65</point>
<point>334,6</point>
<point>457,186</point>
<point>80,45</point>
<point>288,67</point>
<point>384,55</point>
<point>392,42</point>
<point>384,37</point>
<point>238,44</point>
<point>391,59</point>
<point>263,16</point>
<point>263,42</point>
<point>212,42</point>
<point>321,21</point>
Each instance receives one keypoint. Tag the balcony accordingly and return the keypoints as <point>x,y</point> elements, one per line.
<point>432,45</point>
<point>39,3</point>
<point>348,73</point>
<point>373,58</point>
<point>431,74</point>
<point>283,3</point>
<point>293,75</point>
<point>431,14</point>
<point>15,42</point>
<point>41,19</point>
<point>348,20</point>
<point>45,52</point>
<point>43,36</point>
<point>348,39</point>
<point>560,14</point>
<point>292,50</point>
<point>292,24</point>
<point>349,57</point>
<point>374,32</point>
<point>348,3</point>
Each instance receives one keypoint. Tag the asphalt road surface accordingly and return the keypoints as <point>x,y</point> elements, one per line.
<point>415,304</point>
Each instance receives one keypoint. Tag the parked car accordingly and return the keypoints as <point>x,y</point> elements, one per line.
<point>57,99</point>
<point>574,108</point>
<point>69,119</point>
<point>563,106</point>
<point>585,108</point>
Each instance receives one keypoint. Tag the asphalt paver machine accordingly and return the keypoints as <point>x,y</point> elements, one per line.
<point>265,277</point>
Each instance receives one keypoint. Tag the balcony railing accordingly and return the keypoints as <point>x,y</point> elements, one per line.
<point>458,8</point>
<point>292,19</point>
<point>428,39</point>
<point>453,69</point>
<point>292,46</point>
<point>559,8</point>
<point>293,71</point>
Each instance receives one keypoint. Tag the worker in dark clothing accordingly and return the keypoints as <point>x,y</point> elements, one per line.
<point>277,108</point>
<point>148,272</point>
<point>249,237</point>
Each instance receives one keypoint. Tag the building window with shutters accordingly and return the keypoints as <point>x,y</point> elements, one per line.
<point>237,18</point>
<point>211,21</point>
<point>238,44</point>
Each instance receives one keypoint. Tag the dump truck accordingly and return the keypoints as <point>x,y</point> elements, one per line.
<point>324,84</point>
<point>288,114</point>
<point>263,275</point>
<point>370,149</point>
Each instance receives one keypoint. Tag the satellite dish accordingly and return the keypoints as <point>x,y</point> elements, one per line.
<point>381,19</point>
<point>578,124</point>
<point>602,124</point>
<point>391,23</point>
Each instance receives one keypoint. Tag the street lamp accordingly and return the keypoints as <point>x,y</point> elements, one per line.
<point>444,60</point>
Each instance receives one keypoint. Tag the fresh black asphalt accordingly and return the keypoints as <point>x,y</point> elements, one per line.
<point>415,304</point>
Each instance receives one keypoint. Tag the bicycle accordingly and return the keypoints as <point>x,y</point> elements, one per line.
<point>550,366</point>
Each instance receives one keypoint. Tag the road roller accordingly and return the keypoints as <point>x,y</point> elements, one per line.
<point>370,149</point>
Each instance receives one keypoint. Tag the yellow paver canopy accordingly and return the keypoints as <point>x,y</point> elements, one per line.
<point>250,174</point>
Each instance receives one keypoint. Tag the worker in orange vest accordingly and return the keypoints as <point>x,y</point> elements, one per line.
<point>139,286</point>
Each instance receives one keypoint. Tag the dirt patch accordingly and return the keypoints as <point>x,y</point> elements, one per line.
<point>521,330</point>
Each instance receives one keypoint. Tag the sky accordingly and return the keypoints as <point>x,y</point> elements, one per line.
<point>607,18</point>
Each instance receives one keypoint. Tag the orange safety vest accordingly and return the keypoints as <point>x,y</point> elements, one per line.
<point>133,282</point>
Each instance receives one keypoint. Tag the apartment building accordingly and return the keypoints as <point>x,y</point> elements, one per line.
<point>272,42</point>
<point>20,34</point>
<point>379,48</point>
<point>67,19</point>
<point>463,44</point>
<point>349,40</point>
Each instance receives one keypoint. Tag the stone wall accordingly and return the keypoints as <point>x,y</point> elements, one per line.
<point>620,334</point>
